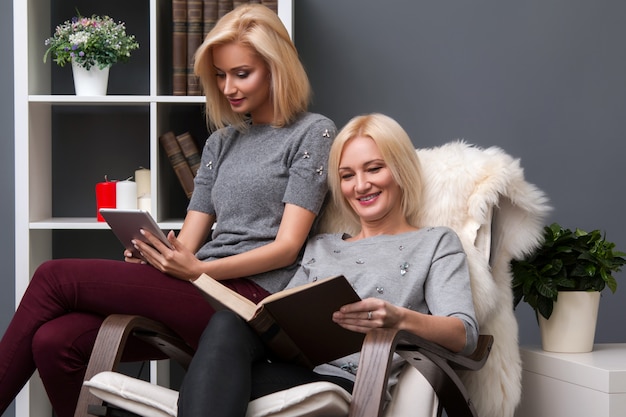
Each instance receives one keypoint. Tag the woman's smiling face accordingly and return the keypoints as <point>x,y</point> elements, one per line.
<point>367,182</point>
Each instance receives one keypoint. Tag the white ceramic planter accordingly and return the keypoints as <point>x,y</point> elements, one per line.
<point>572,325</point>
<point>91,82</point>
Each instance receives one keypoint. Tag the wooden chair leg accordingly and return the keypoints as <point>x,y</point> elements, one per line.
<point>434,362</point>
<point>110,344</point>
<point>450,390</point>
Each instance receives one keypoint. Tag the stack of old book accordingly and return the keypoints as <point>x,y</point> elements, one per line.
<point>192,20</point>
<point>184,156</point>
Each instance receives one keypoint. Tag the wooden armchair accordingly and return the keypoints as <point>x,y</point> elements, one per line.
<point>436,364</point>
<point>483,196</point>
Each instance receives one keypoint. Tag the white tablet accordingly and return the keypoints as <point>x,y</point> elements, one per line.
<point>127,223</point>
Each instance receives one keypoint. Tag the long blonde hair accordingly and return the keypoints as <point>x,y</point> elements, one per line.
<point>399,154</point>
<point>257,27</point>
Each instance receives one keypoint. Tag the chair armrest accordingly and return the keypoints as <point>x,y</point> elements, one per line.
<point>110,343</point>
<point>408,342</point>
<point>435,362</point>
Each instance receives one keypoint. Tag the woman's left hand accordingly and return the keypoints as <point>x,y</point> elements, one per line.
<point>368,314</point>
<point>177,261</point>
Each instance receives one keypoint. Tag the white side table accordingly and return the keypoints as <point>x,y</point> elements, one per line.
<point>574,384</point>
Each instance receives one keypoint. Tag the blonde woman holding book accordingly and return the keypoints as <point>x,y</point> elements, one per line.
<point>261,184</point>
<point>408,277</point>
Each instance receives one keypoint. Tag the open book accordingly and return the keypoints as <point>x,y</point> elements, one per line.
<point>296,324</point>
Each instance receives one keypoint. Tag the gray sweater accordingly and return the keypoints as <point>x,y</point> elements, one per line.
<point>246,178</point>
<point>425,271</point>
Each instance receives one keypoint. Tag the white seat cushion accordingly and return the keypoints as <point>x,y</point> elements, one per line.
<point>149,400</point>
<point>314,399</point>
<point>134,395</point>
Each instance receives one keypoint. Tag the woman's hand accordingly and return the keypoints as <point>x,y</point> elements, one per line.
<point>368,314</point>
<point>177,261</point>
<point>129,257</point>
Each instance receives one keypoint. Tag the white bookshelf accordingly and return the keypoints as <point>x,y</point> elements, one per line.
<point>37,99</point>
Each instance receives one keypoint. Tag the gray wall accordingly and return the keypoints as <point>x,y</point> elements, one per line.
<point>543,80</point>
<point>7,176</point>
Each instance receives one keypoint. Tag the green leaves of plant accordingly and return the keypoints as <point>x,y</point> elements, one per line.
<point>566,261</point>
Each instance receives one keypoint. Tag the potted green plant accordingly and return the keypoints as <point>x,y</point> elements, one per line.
<point>90,43</point>
<point>570,267</point>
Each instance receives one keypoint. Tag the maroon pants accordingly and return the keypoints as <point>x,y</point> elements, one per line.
<point>56,323</point>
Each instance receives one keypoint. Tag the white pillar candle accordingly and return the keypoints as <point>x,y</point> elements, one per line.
<point>126,195</point>
<point>142,178</point>
<point>144,203</point>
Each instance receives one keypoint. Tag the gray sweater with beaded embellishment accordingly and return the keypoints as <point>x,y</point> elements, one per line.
<point>246,178</point>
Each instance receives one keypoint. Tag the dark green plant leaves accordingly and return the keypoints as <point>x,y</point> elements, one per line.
<point>566,261</point>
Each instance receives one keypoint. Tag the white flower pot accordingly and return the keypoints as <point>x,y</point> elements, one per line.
<point>91,82</point>
<point>572,325</point>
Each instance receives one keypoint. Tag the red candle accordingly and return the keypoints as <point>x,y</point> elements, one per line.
<point>105,196</point>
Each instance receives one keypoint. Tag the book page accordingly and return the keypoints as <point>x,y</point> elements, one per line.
<point>221,297</point>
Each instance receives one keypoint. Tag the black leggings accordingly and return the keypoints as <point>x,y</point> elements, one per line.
<point>231,367</point>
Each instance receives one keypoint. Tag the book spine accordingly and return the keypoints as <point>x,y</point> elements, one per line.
<point>179,47</point>
<point>194,39</point>
<point>190,150</point>
<point>277,340</point>
<point>178,161</point>
<point>209,12</point>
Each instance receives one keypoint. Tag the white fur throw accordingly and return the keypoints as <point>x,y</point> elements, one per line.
<point>463,184</point>
<point>483,196</point>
